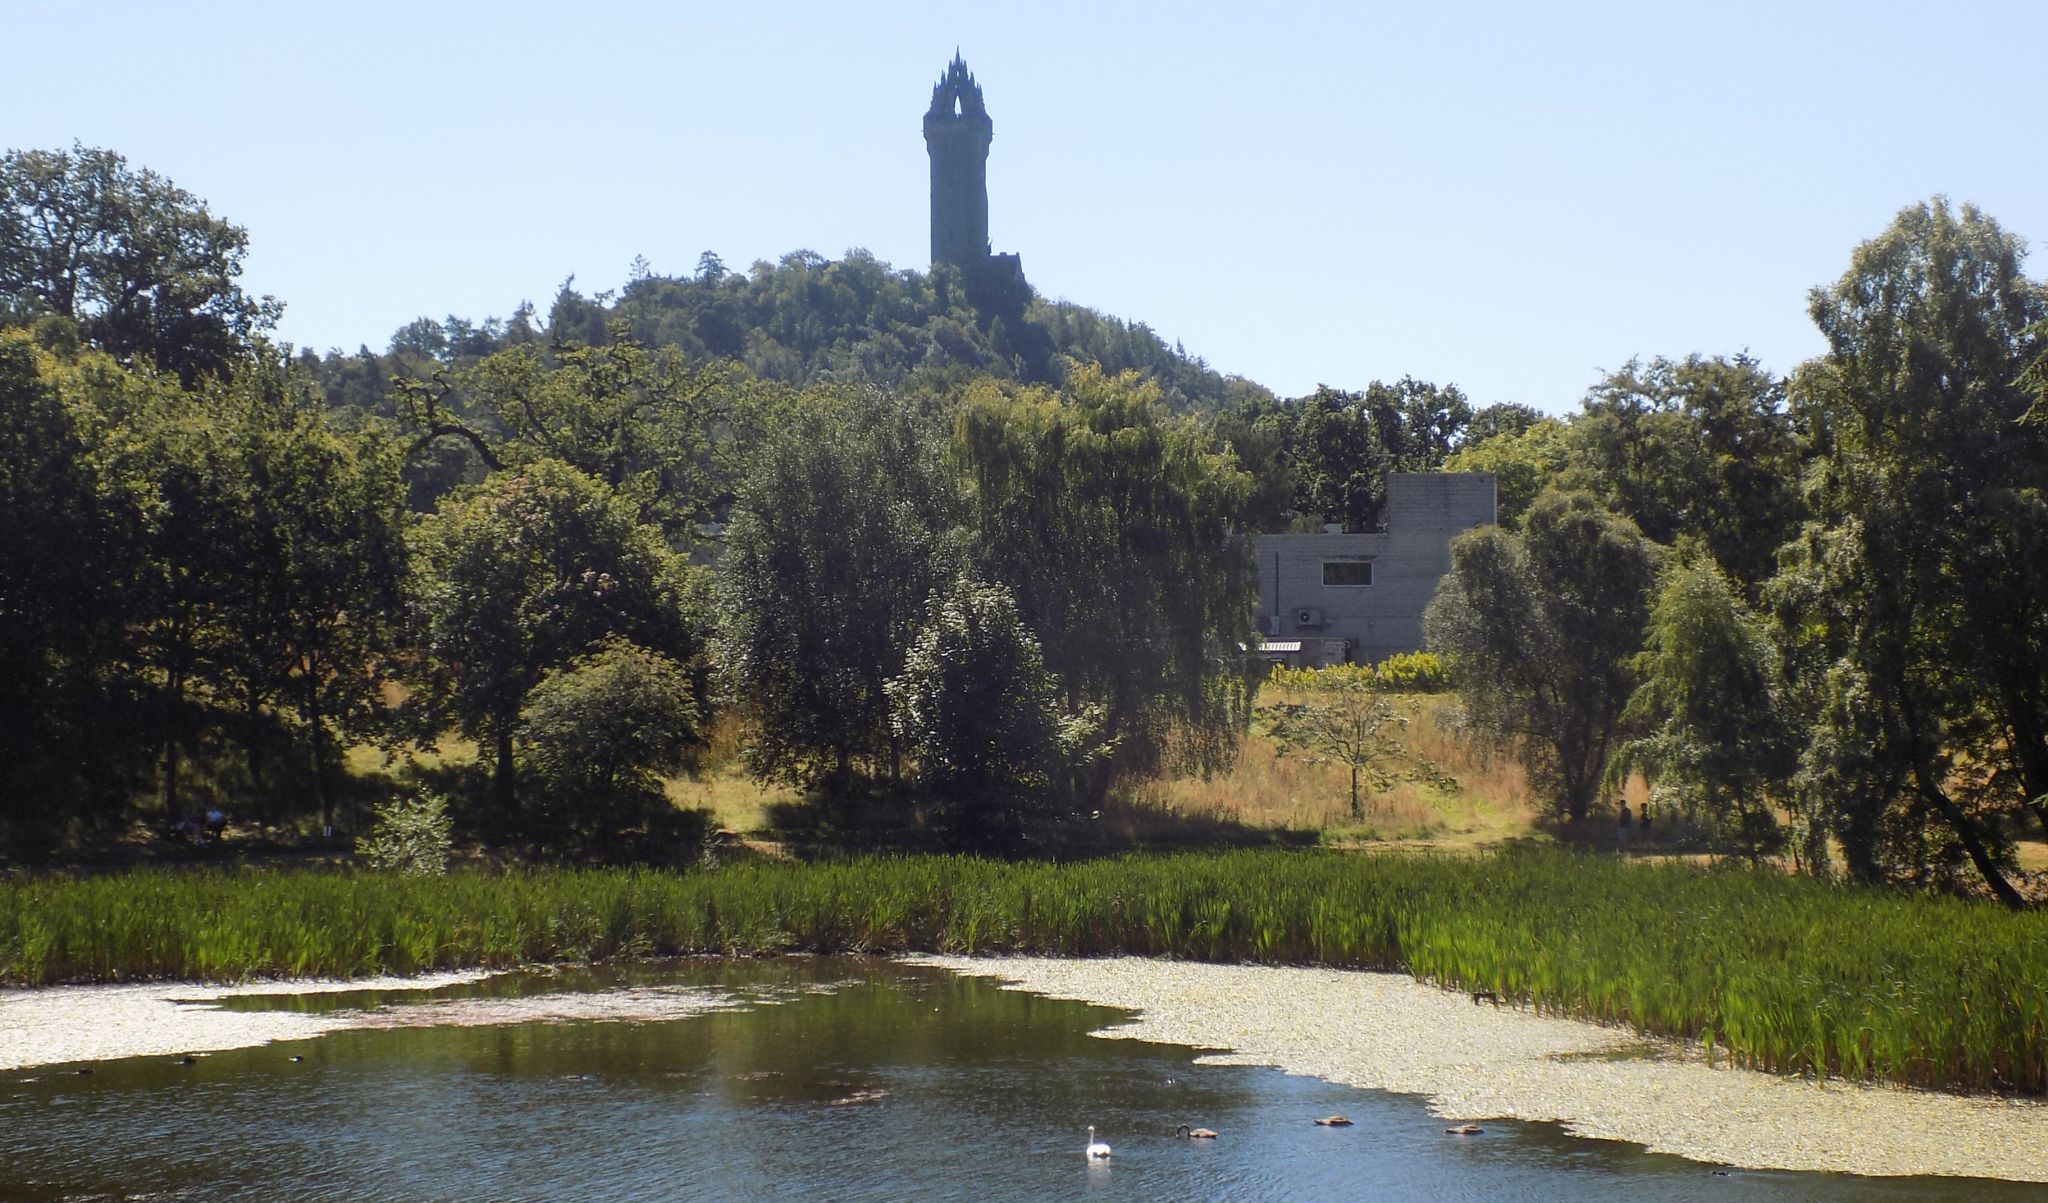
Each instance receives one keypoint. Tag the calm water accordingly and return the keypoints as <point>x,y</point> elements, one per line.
<point>893,1083</point>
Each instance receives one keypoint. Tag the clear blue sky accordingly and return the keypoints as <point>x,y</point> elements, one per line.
<point>1495,195</point>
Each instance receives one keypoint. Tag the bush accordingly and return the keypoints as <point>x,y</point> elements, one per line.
<point>1404,672</point>
<point>410,836</point>
<point>977,709</point>
<point>595,733</point>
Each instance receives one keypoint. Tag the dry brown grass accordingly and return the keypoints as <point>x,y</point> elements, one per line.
<point>1268,788</point>
<point>1271,787</point>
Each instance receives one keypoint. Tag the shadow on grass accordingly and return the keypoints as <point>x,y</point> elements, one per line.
<point>828,825</point>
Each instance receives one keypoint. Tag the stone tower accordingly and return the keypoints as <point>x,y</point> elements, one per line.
<point>957,132</point>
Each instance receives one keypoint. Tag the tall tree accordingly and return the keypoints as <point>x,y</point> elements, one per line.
<point>1916,604</point>
<point>319,562</point>
<point>71,743</point>
<point>837,540</point>
<point>147,272</point>
<point>1539,631</point>
<point>1117,529</point>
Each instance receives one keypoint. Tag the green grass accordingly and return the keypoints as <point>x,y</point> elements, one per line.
<point>1774,972</point>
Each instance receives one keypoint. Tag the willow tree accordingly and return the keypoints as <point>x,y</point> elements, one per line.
<point>1115,525</point>
<point>1715,733</point>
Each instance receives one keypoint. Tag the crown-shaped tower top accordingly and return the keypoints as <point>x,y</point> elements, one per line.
<point>955,96</point>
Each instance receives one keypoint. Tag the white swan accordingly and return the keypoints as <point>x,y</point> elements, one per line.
<point>1095,1147</point>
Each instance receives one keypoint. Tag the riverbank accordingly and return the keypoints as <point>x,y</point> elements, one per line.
<point>1783,974</point>
<point>60,1025</point>
<point>1476,1063</point>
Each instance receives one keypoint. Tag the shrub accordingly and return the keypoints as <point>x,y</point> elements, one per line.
<point>410,836</point>
<point>1404,672</point>
<point>595,732</point>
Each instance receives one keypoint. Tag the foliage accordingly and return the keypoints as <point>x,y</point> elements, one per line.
<point>1330,452</point>
<point>523,574</point>
<point>978,712</point>
<point>1717,737</point>
<point>137,262</point>
<point>68,576</point>
<point>594,732</point>
<point>1523,461</point>
<point>180,557</point>
<point>1700,447</point>
<point>1910,606</point>
<point>1115,526</point>
<point>655,426</point>
<point>1403,672</point>
<point>837,540</point>
<point>1774,972</point>
<point>409,835</point>
<point>1539,630</point>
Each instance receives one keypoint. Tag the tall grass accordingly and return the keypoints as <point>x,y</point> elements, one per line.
<point>1774,972</point>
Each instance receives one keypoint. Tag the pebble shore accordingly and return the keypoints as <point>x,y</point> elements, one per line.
<point>1480,1062</point>
<point>61,1024</point>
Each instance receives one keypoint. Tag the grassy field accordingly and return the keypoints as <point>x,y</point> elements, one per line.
<point>1777,972</point>
<point>1476,800</point>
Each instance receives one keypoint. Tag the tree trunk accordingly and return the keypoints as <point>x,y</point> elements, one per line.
<point>173,717</point>
<point>504,786</point>
<point>1966,832</point>
<point>317,729</point>
<point>171,809</point>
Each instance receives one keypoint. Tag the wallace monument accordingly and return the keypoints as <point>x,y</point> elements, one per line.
<point>957,133</point>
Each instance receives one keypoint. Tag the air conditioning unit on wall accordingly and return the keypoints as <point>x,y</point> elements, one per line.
<point>1307,617</point>
<point>1269,624</point>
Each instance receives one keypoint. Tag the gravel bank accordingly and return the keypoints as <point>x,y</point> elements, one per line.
<point>102,1023</point>
<point>1477,1062</point>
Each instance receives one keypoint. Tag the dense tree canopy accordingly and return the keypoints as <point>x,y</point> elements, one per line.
<point>524,574</point>
<point>838,538</point>
<point>1540,629</point>
<point>1914,602</point>
<point>1115,526</point>
<point>139,263</point>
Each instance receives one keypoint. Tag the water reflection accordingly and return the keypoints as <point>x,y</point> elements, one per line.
<point>833,1079</point>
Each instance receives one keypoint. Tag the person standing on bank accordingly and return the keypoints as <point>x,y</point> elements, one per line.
<point>1621,826</point>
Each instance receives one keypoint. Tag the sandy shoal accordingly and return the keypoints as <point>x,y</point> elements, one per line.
<point>60,1024</point>
<point>1475,1062</point>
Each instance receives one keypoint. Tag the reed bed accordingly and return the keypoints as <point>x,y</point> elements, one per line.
<point>1773,972</point>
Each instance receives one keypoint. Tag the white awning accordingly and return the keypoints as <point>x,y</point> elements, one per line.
<point>1276,647</point>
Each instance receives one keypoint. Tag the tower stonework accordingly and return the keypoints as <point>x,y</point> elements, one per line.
<point>957,132</point>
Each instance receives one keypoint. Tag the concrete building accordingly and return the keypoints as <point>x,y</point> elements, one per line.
<point>1359,598</point>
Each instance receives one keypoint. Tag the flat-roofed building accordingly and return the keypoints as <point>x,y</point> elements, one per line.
<point>1358,597</point>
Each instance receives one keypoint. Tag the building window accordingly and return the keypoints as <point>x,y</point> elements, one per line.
<point>1347,572</point>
